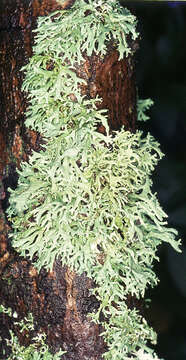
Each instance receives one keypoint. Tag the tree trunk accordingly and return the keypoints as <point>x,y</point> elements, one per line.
<point>59,300</point>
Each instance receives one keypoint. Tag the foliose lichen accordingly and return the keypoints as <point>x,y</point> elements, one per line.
<point>86,197</point>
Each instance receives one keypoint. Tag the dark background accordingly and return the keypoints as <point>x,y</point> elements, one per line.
<point>161,75</point>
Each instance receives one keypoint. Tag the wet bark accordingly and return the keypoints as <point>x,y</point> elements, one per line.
<point>59,300</point>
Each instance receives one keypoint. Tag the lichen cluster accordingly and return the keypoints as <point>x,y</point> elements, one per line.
<point>86,198</point>
<point>37,350</point>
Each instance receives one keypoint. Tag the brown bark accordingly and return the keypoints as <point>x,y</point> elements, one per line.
<point>59,300</point>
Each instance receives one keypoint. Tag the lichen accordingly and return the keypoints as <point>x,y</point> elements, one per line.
<point>38,350</point>
<point>86,198</point>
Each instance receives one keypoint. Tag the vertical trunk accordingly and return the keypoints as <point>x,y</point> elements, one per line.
<point>59,300</point>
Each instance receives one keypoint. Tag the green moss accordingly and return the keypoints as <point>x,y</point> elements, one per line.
<point>88,196</point>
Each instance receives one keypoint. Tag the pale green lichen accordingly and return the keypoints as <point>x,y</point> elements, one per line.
<point>86,27</point>
<point>86,198</point>
<point>142,106</point>
<point>37,350</point>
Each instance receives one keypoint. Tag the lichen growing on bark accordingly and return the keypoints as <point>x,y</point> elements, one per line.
<point>85,198</point>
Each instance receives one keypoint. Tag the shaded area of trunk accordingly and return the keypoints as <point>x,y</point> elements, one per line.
<point>59,300</point>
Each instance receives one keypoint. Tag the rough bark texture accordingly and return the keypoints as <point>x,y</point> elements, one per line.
<point>59,300</point>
